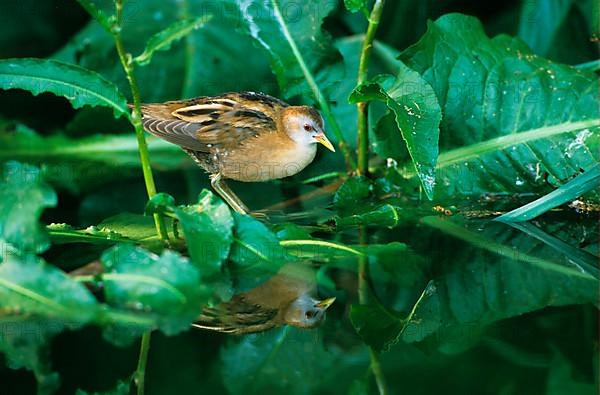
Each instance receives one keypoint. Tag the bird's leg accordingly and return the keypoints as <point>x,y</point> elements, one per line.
<point>219,185</point>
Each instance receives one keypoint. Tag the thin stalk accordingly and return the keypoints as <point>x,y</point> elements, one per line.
<point>362,168</point>
<point>363,67</point>
<point>140,373</point>
<point>363,260</point>
<point>136,116</point>
<point>136,120</point>
<point>377,372</point>
<point>363,298</point>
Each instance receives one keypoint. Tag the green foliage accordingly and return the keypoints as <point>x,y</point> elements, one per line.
<point>166,286</point>
<point>80,86</point>
<point>356,5</point>
<point>23,197</point>
<point>291,34</point>
<point>285,360</point>
<point>30,286</point>
<point>377,327</point>
<point>580,185</point>
<point>515,116</point>
<point>417,114</point>
<point>163,40</point>
<point>84,163</point>
<point>207,227</point>
<point>256,253</point>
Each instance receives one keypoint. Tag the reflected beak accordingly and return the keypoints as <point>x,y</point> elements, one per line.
<point>321,138</point>
<point>324,304</point>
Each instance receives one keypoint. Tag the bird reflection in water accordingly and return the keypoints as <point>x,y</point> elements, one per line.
<point>287,298</point>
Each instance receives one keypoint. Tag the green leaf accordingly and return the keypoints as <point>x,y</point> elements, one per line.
<point>385,215</point>
<point>418,116</point>
<point>356,5</point>
<point>523,123</point>
<point>102,18</point>
<point>167,287</point>
<point>31,287</point>
<point>573,189</point>
<point>162,40</point>
<point>64,234</point>
<point>291,34</point>
<point>287,360</point>
<point>352,194</point>
<point>205,62</point>
<point>508,275</point>
<point>135,227</point>
<point>207,227</point>
<point>378,328</point>
<point>23,197</point>
<point>256,254</point>
<point>85,163</point>
<point>78,85</point>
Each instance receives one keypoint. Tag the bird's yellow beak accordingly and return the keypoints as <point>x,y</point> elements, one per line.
<point>324,304</point>
<point>321,138</point>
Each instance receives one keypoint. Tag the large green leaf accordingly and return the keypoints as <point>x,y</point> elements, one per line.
<point>23,197</point>
<point>523,123</point>
<point>167,287</point>
<point>31,287</point>
<point>78,85</point>
<point>38,301</point>
<point>290,32</point>
<point>285,360</point>
<point>80,164</point>
<point>417,114</point>
<point>256,254</point>
<point>508,275</point>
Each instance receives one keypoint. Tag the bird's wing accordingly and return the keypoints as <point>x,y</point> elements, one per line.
<point>237,316</point>
<point>205,122</point>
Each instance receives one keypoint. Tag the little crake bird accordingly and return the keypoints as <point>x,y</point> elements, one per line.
<point>287,298</point>
<point>244,136</point>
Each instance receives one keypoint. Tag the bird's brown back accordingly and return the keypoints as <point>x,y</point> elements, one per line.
<point>205,122</point>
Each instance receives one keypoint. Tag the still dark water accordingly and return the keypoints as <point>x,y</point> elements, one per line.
<point>462,306</point>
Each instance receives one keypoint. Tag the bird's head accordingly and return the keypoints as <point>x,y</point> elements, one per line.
<point>306,312</point>
<point>304,125</point>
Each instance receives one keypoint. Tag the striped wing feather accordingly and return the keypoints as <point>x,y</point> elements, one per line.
<point>205,122</point>
<point>237,316</point>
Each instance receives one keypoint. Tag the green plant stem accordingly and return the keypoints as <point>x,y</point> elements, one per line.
<point>363,260</point>
<point>337,131</point>
<point>377,372</point>
<point>363,298</point>
<point>140,373</point>
<point>363,67</point>
<point>136,117</point>
<point>136,120</point>
<point>362,168</point>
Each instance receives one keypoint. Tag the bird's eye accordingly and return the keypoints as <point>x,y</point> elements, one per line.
<point>309,314</point>
<point>307,127</point>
